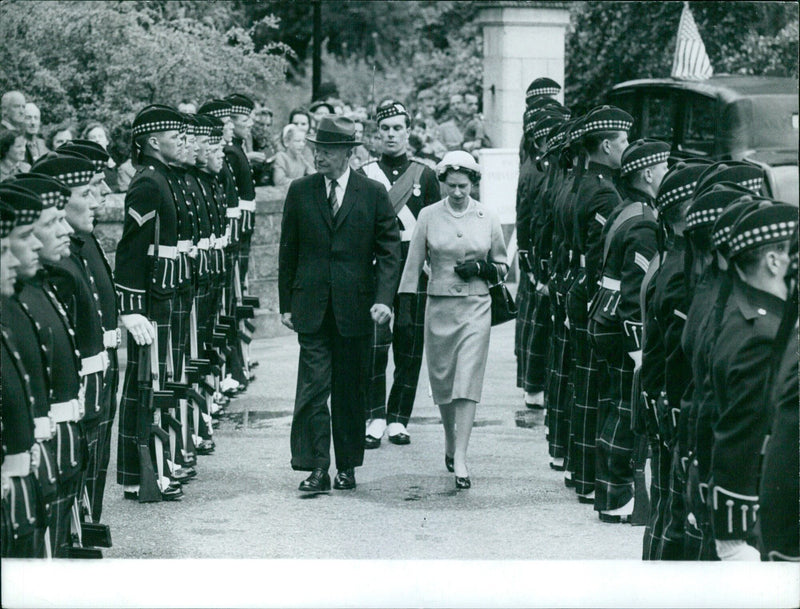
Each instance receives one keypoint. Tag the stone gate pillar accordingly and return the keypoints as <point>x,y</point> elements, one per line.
<point>521,41</point>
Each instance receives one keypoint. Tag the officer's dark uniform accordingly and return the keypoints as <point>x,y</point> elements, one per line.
<point>741,364</point>
<point>615,325</point>
<point>411,186</point>
<point>146,274</point>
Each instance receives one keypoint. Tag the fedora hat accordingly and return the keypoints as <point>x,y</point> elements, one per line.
<point>335,130</point>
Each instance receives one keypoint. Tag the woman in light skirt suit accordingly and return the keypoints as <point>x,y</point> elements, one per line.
<point>462,241</point>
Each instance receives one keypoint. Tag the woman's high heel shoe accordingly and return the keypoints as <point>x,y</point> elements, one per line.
<point>448,463</point>
<point>462,483</point>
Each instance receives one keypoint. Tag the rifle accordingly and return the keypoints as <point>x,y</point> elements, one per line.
<point>93,534</point>
<point>641,497</point>
<point>155,431</point>
<point>149,488</point>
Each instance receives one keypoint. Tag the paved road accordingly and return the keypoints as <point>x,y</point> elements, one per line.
<point>245,504</point>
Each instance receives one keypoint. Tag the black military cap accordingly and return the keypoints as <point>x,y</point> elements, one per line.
<point>607,118</point>
<point>541,87</point>
<point>216,125</point>
<point>72,169</point>
<point>576,130</point>
<point>678,185</point>
<point>542,127</point>
<point>745,174</point>
<point>643,153</point>
<point>190,123</point>
<point>762,226</point>
<point>388,109</point>
<point>52,191</point>
<point>557,137</point>
<point>7,217</point>
<point>91,150</point>
<point>216,107</point>
<point>157,118</point>
<point>240,104</point>
<point>532,117</point>
<point>708,206</point>
<point>721,231</point>
<point>26,203</point>
<point>204,123</point>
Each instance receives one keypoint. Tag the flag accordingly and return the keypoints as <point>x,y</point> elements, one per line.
<point>691,61</point>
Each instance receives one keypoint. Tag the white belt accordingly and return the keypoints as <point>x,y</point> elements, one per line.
<point>247,205</point>
<point>43,428</point>
<point>203,244</point>
<point>17,465</point>
<point>610,284</point>
<point>164,251</point>
<point>221,243</point>
<point>582,260</point>
<point>233,212</point>
<point>64,412</point>
<point>112,338</point>
<point>184,245</point>
<point>93,364</point>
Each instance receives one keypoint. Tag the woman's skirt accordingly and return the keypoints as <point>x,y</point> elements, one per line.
<point>457,345</point>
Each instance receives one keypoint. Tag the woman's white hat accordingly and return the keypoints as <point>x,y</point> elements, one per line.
<point>457,159</point>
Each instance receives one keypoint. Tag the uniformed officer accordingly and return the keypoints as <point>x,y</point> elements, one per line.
<point>411,186</point>
<point>759,254</point>
<point>146,275</point>
<point>539,87</point>
<point>615,324</point>
<point>24,517</point>
<point>604,137</point>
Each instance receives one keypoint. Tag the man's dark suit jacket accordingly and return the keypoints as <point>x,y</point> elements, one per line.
<point>324,259</point>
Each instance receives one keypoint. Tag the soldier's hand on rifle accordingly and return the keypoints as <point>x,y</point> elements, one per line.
<point>636,356</point>
<point>140,328</point>
<point>36,455</point>
<point>286,320</point>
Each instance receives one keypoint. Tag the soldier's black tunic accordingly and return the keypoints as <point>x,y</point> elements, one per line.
<point>741,364</point>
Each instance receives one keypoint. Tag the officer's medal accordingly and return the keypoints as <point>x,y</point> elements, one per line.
<point>416,191</point>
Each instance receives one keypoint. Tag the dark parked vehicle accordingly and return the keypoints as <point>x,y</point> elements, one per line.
<point>752,118</point>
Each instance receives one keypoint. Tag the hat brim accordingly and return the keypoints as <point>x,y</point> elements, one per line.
<point>334,142</point>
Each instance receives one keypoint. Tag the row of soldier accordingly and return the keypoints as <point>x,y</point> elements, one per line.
<point>179,289</point>
<point>657,302</point>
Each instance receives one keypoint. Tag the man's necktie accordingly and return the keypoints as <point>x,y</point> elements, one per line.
<point>332,201</point>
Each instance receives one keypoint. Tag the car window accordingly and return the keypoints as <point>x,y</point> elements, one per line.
<point>657,115</point>
<point>626,100</point>
<point>700,125</point>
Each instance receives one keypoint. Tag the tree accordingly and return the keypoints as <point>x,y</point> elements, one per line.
<point>105,60</point>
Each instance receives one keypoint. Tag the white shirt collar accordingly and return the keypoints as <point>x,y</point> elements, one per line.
<point>341,182</point>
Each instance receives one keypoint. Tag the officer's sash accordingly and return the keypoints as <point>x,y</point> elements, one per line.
<point>399,193</point>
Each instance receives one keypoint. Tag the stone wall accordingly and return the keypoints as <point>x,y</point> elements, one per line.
<point>263,273</point>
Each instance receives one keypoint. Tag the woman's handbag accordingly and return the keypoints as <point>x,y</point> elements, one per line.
<point>503,307</point>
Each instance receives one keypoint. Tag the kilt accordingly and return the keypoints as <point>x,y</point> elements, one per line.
<point>244,257</point>
<point>62,513</point>
<point>407,345</point>
<point>127,442</point>
<point>659,488</point>
<point>557,390</point>
<point>96,489</point>
<point>615,438</point>
<point>673,535</point>
<point>522,325</point>
<point>537,347</point>
<point>181,309</point>
<point>583,420</point>
<point>26,517</point>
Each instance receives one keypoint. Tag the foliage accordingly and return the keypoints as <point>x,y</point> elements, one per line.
<point>105,60</point>
<point>610,42</point>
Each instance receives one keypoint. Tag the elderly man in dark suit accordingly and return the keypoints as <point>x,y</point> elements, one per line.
<point>338,272</point>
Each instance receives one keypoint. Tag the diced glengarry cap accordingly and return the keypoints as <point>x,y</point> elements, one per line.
<point>240,104</point>
<point>216,107</point>
<point>607,118</point>
<point>91,150</point>
<point>204,124</point>
<point>52,191</point>
<point>26,203</point>
<point>542,86</point>
<point>710,205</point>
<point>745,174</point>
<point>190,124</point>
<point>7,218</point>
<point>542,127</point>
<point>765,225</point>
<point>73,169</point>
<point>157,118</point>
<point>678,185</point>
<point>643,153</point>
<point>388,109</point>
<point>721,231</point>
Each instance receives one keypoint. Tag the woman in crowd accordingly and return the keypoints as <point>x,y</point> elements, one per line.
<point>302,119</point>
<point>463,243</point>
<point>60,134</point>
<point>12,154</point>
<point>291,163</point>
<point>96,132</point>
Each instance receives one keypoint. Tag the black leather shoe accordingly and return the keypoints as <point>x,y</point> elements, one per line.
<point>172,493</point>
<point>371,442</point>
<point>558,468</point>
<point>613,519</point>
<point>400,439</point>
<point>345,479</point>
<point>569,483</point>
<point>448,463</point>
<point>534,406</point>
<point>184,474</point>
<point>206,447</point>
<point>586,499</point>
<point>463,483</point>
<point>318,482</point>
